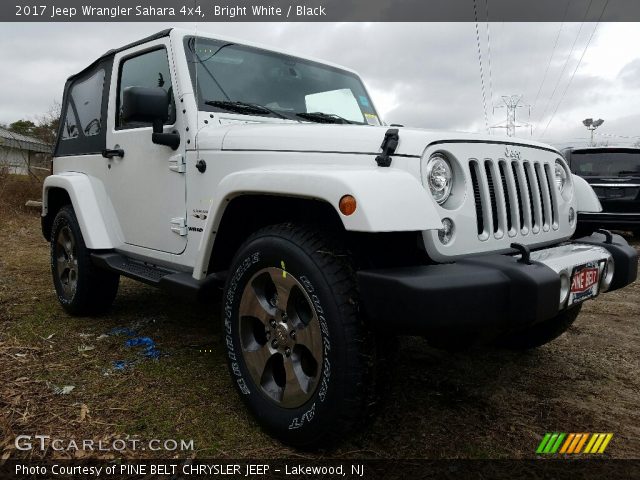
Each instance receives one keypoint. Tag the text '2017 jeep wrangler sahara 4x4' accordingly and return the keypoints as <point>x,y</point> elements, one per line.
<point>185,160</point>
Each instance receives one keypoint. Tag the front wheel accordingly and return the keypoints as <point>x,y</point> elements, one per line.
<point>299,353</point>
<point>541,333</point>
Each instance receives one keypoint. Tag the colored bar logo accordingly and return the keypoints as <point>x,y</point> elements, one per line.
<point>574,443</point>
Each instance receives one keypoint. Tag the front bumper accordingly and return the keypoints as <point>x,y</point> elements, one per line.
<point>491,292</point>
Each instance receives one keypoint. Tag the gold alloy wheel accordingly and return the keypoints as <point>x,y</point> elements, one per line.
<point>280,337</point>
<point>66,262</point>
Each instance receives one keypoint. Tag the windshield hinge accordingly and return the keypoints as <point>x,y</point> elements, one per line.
<point>389,145</point>
<point>179,226</point>
<point>177,164</point>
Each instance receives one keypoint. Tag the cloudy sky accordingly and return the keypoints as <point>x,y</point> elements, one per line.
<point>423,74</point>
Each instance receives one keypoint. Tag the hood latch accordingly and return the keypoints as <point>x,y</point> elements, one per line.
<point>389,145</point>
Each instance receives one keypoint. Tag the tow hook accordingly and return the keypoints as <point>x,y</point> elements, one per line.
<point>524,251</point>
<point>607,234</point>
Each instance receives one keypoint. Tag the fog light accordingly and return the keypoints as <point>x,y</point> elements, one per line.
<point>564,288</point>
<point>607,275</point>
<point>445,234</point>
<point>572,216</point>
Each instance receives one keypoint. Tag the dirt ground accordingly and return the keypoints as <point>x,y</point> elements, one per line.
<point>477,404</point>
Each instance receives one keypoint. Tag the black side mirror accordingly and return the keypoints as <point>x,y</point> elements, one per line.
<point>149,105</point>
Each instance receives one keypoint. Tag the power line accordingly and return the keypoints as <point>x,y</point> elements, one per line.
<point>577,66</point>
<point>553,52</point>
<point>566,62</point>
<point>598,134</point>
<point>489,53</point>
<point>484,95</point>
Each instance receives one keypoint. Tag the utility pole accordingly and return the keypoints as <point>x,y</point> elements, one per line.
<point>591,125</point>
<point>512,104</point>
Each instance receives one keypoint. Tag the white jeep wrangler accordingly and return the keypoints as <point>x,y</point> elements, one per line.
<point>189,162</point>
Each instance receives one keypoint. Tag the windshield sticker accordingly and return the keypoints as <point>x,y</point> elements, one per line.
<point>372,119</point>
<point>364,101</point>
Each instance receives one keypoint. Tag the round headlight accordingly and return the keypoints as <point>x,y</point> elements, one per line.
<point>561,176</point>
<point>439,178</point>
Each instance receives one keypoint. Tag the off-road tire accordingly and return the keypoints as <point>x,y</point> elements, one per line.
<point>344,378</point>
<point>95,289</point>
<point>540,333</point>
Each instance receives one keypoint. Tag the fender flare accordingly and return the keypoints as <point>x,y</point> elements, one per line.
<point>388,199</point>
<point>82,193</point>
<point>586,198</point>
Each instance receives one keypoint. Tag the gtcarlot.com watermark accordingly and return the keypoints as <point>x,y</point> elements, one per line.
<point>46,443</point>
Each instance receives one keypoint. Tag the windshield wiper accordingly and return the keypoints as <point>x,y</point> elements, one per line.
<point>322,117</point>
<point>245,107</point>
<point>628,172</point>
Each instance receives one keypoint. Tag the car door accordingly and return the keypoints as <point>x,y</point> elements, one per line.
<point>147,184</point>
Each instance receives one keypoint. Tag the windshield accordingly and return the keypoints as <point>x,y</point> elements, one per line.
<point>605,163</point>
<point>283,85</point>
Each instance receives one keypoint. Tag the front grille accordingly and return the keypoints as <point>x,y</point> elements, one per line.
<point>513,198</point>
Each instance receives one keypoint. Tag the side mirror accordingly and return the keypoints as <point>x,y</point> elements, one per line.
<point>149,105</point>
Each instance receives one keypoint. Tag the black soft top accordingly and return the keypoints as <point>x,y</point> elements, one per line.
<point>83,144</point>
<point>112,52</point>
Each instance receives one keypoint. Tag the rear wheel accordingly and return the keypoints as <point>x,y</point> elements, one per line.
<point>299,353</point>
<point>82,288</point>
<point>541,333</point>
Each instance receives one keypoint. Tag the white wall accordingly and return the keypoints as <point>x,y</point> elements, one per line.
<point>14,159</point>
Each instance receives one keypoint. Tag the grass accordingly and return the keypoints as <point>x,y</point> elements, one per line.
<point>477,404</point>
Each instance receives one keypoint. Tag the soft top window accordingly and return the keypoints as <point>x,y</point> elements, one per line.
<point>86,100</point>
<point>82,130</point>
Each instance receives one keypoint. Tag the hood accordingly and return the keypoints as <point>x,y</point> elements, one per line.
<point>305,137</point>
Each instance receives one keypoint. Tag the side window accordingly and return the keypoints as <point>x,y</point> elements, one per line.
<point>84,108</point>
<point>150,69</point>
<point>70,127</point>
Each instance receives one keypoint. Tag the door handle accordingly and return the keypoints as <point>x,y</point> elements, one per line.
<point>114,152</point>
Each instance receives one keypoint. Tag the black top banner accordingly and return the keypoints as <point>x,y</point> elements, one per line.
<point>320,10</point>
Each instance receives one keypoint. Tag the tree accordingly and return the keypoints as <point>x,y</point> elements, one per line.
<point>23,127</point>
<point>45,128</point>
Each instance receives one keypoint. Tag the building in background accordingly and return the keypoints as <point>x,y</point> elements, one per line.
<point>20,154</point>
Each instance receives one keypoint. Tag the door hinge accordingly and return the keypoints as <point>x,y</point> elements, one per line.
<point>177,164</point>
<point>179,226</point>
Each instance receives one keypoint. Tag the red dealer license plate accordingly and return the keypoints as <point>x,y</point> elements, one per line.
<point>584,283</point>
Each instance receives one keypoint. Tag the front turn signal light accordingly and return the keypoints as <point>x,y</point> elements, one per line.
<point>347,205</point>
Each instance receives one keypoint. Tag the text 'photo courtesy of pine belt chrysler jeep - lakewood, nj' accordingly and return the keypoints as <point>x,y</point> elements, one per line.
<point>197,163</point>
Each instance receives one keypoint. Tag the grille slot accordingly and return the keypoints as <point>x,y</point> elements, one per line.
<point>551,184</point>
<point>513,198</point>
<point>473,166</point>
<point>508,194</point>
<point>516,180</point>
<point>492,194</point>
<point>545,193</point>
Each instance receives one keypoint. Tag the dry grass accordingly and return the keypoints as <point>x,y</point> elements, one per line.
<point>478,404</point>
<point>15,190</point>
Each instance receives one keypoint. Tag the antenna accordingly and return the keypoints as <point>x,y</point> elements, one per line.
<point>512,104</point>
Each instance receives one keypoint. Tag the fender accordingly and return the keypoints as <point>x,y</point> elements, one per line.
<point>388,199</point>
<point>92,223</point>
<point>586,198</point>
